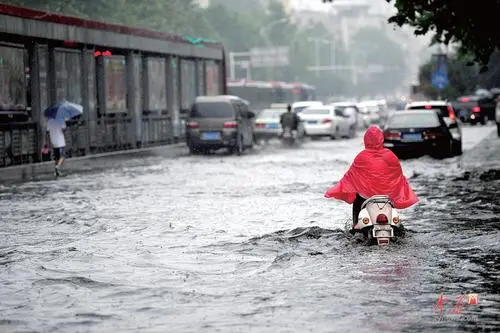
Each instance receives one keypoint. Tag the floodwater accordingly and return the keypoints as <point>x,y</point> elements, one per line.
<point>245,244</point>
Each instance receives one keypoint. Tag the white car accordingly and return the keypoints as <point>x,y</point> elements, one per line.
<point>326,120</point>
<point>298,107</point>
<point>370,113</point>
<point>351,111</point>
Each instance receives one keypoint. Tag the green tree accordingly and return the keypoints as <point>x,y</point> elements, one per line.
<point>471,25</point>
<point>463,79</point>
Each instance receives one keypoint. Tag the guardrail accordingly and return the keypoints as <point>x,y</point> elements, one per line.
<point>18,143</point>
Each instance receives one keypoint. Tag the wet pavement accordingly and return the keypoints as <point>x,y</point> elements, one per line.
<point>245,244</point>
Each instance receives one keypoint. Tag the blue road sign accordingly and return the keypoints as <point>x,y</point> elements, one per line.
<point>440,79</point>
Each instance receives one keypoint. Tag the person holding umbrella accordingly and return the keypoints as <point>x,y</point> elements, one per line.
<point>56,124</point>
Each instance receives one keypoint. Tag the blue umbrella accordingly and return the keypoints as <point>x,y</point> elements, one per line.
<point>63,111</point>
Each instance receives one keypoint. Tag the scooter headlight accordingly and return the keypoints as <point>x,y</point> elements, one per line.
<point>395,219</point>
<point>365,220</point>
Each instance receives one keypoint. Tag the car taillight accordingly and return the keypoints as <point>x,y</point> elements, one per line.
<point>476,109</point>
<point>428,107</point>
<point>392,135</point>
<point>230,124</point>
<point>433,134</point>
<point>260,125</point>
<point>451,113</point>
<point>382,219</point>
<point>192,124</point>
<point>326,121</point>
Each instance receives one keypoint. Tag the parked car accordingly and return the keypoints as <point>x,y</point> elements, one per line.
<point>216,122</point>
<point>298,107</point>
<point>369,113</point>
<point>327,120</point>
<point>418,132</point>
<point>267,124</point>
<point>475,109</point>
<point>355,117</point>
<point>445,110</point>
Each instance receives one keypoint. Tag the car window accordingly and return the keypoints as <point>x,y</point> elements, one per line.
<point>441,109</point>
<point>211,110</point>
<point>298,109</point>
<point>410,120</point>
<point>316,111</point>
<point>339,113</point>
<point>271,113</point>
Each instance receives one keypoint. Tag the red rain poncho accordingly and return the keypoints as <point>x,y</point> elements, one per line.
<point>375,171</point>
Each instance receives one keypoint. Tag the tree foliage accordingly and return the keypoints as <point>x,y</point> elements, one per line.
<point>240,25</point>
<point>464,79</point>
<point>471,25</point>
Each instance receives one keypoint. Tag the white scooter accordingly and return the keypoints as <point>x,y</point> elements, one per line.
<point>379,221</point>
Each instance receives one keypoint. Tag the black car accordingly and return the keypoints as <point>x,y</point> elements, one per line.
<point>417,133</point>
<point>475,109</point>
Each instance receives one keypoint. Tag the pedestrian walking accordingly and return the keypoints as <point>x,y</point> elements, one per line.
<point>55,133</point>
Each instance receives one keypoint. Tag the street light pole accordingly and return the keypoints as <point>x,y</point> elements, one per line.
<point>266,38</point>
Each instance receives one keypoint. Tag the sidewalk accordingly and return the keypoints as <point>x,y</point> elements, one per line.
<point>486,155</point>
<point>45,170</point>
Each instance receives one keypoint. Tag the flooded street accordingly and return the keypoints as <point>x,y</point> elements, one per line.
<point>245,244</point>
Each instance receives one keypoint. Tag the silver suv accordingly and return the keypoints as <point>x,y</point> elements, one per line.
<point>216,122</point>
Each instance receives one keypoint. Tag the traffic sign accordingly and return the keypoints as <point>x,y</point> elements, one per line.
<point>269,57</point>
<point>440,79</point>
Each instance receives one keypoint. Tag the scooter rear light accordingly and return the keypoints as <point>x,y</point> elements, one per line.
<point>382,219</point>
<point>365,220</point>
<point>395,220</point>
<point>476,109</point>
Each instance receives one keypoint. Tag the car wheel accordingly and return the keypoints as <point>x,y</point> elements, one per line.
<point>457,148</point>
<point>193,150</point>
<point>485,120</point>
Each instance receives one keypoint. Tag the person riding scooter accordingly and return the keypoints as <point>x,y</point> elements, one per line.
<point>375,171</point>
<point>289,120</point>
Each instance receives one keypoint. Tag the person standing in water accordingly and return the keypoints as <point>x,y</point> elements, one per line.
<point>55,132</point>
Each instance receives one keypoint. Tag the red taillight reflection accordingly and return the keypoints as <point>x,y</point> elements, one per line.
<point>382,219</point>
<point>392,135</point>
<point>192,124</point>
<point>451,113</point>
<point>326,121</point>
<point>433,134</point>
<point>230,124</point>
<point>476,109</point>
<point>428,107</point>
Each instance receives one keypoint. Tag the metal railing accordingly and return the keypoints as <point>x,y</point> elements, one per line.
<point>18,143</point>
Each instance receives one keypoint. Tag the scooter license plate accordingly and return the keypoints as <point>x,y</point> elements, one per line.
<point>383,232</point>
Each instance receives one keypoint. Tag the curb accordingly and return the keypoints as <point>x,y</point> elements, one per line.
<point>45,170</point>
